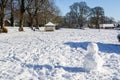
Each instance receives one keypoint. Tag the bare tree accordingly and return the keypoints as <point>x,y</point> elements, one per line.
<point>39,8</point>
<point>45,11</point>
<point>12,7</point>
<point>23,5</point>
<point>49,10</point>
<point>79,12</point>
<point>109,20</point>
<point>33,11</point>
<point>54,12</point>
<point>3,4</point>
<point>70,19</point>
<point>97,13</point>
<point>12,12</point>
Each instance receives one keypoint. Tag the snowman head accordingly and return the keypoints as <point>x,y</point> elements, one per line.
<point>92,48</point>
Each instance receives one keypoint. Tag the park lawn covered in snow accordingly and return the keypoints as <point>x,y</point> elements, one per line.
<point>58,55</point>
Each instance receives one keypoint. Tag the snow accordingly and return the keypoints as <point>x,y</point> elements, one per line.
<point>58,55</point>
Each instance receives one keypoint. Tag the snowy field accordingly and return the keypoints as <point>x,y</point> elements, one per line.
<point>58,55</point>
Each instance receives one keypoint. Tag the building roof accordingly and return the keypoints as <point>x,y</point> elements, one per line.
<point>107,25</point>
<point>49,24</point>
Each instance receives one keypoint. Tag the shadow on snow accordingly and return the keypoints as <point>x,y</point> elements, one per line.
<point>49,67</point>
<point>103,47</point>
<point>72,69</point>
<point>38,67</point>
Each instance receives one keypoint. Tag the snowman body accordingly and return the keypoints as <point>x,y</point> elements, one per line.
<point>89,62</point>
<point>92,61</point>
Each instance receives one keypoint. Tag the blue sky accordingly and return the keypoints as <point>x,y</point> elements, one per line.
<point>111,7</point>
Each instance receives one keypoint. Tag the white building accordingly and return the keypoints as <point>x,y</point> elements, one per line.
<point>107,26</point>
<point>50,26</point>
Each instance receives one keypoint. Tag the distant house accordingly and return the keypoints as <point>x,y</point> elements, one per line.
<point>107,26</point>
<point>50,26</point>
<point>7,23</point>
<point>117,27</point>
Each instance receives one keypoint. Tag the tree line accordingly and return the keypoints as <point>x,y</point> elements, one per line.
<point>38,12</point>
<point>81,14</point>
<point>30,12</point>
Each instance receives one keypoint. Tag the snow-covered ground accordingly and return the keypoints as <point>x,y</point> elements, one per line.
<point>58,55</point>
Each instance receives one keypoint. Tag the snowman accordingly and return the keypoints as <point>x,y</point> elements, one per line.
<point>92,60</point>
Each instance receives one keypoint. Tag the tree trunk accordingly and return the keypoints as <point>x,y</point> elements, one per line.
<point>2,19</point>
<point>22,11</point>
<point>12,19</point>
<point>3,29</point>
<point>97,26</point>
<point>31,20</point>
<point>2,22</point>
<point>97,22</point>
<point>12,13</point>
<point>37,22</point>
<point>21,22</point>
<point>36,13</point>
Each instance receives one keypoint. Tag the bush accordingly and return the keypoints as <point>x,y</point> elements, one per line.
<point>21,29</point>
<point>118,36</point>
<point>4,30</point>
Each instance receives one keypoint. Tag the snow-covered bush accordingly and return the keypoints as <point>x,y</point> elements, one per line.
<point>4,30</point>
<point>118,36</point>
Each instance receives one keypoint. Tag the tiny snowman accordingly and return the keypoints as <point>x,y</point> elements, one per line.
<point>92,60</point>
